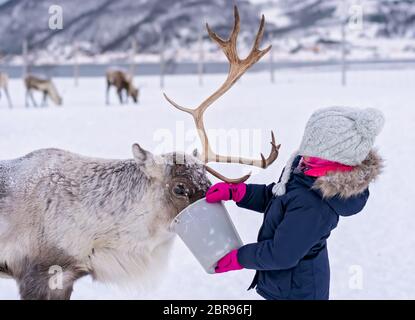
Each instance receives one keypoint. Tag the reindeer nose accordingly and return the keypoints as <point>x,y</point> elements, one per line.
<point>179,189</point>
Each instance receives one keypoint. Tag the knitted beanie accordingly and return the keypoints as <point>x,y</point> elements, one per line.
<point>340,134</point>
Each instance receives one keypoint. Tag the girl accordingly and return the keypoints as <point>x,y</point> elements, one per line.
<point>326,178</point>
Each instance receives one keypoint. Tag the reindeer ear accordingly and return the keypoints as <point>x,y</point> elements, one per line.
<point>140,154</point>
<point>151,166</point>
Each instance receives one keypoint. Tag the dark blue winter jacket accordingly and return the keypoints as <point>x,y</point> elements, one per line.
<point>291,253</point>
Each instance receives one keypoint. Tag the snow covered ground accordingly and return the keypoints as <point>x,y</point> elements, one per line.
<point>372,254</point>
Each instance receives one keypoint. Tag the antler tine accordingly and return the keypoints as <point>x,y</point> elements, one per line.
<point>260,33</point>
<point>256,53</point>
<point>225,179</point>
<point>236,27</point>
<point>234,34</point>
<point>174,104</point>
<point>260,163</point>
<point>273,154</point>
<point>214,36</point>
<point>229,46</point>
<point>264,163</point>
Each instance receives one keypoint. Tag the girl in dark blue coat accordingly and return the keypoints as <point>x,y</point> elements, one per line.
<point>326,178</point>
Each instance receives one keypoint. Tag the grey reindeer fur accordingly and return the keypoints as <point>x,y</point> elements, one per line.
<point>105,218</point>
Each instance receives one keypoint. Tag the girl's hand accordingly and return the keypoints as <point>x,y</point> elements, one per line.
<point>226,191</point>
<point>228,263</point>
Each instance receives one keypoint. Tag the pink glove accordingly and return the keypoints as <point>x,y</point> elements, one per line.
<point>228,263</point>
<point>226,191</point>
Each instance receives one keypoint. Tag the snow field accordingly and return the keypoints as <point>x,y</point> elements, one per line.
<point>371,254</point>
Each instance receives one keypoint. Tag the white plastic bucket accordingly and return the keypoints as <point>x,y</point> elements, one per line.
<point>208,231</point>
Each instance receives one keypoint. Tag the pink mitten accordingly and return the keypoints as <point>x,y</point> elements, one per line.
<point>226,191</point>
<point>228,263</point>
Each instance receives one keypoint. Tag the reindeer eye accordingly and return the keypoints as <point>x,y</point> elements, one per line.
<point>180,189</point>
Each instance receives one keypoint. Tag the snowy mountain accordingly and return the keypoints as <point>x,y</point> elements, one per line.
<point>312,28</point>
<point>101,26</point>
<point>389,18</point>
<point>307,29</point>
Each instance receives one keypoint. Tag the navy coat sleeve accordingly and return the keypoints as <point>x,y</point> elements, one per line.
<point>257,197</point>
<point>301,228</point>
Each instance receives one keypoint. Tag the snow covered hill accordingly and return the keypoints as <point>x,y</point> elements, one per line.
<point>300,30</point>
<point>311,29</point>
<point>103,26</point>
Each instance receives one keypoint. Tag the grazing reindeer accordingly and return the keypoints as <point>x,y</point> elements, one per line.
<point>4,83</point>
<point>46,86</point>
<point>64,216</point>
<point>122,82</point>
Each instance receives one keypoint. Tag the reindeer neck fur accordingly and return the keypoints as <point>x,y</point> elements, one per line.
<point>142,238</point>
<point>107,215</point>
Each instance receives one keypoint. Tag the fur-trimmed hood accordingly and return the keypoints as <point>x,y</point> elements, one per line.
<point>348,184</point>
<point>345,192</point>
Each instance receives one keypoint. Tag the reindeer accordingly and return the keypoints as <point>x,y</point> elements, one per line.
<point>46,86</point>
<point>4,82</point>
<point>64,216</point>
<point>122,82</point>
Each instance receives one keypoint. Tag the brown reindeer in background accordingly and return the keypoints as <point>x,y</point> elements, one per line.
<point>122,81</point>
<point>4,82</point>
<point>44,85</point>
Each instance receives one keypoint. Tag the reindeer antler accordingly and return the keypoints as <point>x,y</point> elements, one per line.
<point>237,67</point>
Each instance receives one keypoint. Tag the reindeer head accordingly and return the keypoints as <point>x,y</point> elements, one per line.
<point>182,176</point>
<point>59,101</point>
<point>131,89</point>
<point>54,95</point>
<point>134,94</point>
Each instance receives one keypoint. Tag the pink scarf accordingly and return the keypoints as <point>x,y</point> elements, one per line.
<point>317,167</point>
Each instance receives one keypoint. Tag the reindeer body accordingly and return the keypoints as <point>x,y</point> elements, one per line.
<point>46,86</point>
<point>4,84</point>
<point>122,82</point>
<point>105,218</point>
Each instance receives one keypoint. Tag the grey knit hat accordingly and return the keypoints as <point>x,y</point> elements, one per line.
<point>341,134</point>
